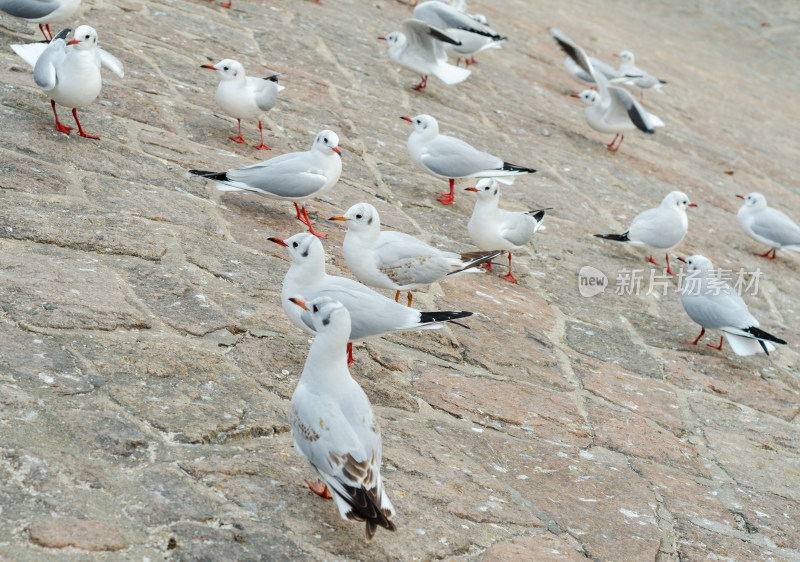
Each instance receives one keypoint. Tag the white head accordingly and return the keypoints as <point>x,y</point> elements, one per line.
<point>487,189</point>
<point>327,142</point>
<point>698,263</point>
<point>85,37</point>
<point>306,253</point>
<point>396,41</point>
<point>361,217</point>
<point>754,201</point>
<point>227,69</point>
<point>326,315</point>
<point>589,97</point>
<point>424,125</point>
<point>626,57</point>
<point>480,18</point>
<point>677,199</point>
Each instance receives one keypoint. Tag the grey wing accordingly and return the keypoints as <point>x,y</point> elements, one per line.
<point>266,92</point>
<point>106,59</point>
<point>44,72</point>
<point>517,228</point>
<point>776,226</point>
<point>657,227</point>
<point>450,157</point>
<point>572,50</point>
<point>606,70</point>
<point>425,37</point>
<point>443,16</point>
<point>710,310</point>
<point>623,107</point>
<point>406,260</point>
<point>294,177</point>
<point>29,9</point>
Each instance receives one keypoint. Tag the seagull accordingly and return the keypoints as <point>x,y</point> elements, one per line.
<point>419,48</point>
<point>244,97</point>
<point>295,176</point>
<point>611,109</point>
<point>333,425</point>
<point>767,225</point>
<point>449,157</point>
<point>712,303</point>
<point>395,260</point>
<point>371,314</point>
<point>576,71</point>
<point>69,72</point>
<point>472,35</point>
<point>662,227</point>
<point>43,12</point>
<point>635,76</point>
<point>492,227</point>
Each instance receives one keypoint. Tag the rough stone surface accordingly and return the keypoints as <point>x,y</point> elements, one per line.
<point>146,365</point>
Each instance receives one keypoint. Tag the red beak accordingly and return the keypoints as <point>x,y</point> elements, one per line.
<point>407,119</point>
<point>382,38</point>
<point>278,241</point>
<point>575,95</point>
<point>73,41</point>
<point>740,196</point>
<point>211,66</point>
<point>475,189</point>
<point>682,259</point>
<point>692,205</point>
<point>615,55</point>
<point>336,150</point>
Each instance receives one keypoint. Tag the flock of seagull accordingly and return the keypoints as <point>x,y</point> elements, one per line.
<point>333,425</point>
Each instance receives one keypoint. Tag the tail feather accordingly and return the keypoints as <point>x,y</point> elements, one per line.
<point>519,169</point>
<point>451,74</point>
<point>760,334</point>
<point>365,505</point>
<point>618,237</point>
<point>475,259</point>
<point>443,316</point>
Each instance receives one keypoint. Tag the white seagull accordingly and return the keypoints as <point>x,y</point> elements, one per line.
<point>767,225</point>
<point>419,48</point>
<point>714,304</point>
<point>69,72</point>
<point>635,76</point>
<point>395,260</point>
<point>611,109</point>
<point>43,12</point>
<point>295,176</point>
<point>662,227</point>
<point>472,35</point>
<point>449,157</point>
<point>371,314</point>
<point>333,425</point>
<point>492,227</point>
<point>244,97</point>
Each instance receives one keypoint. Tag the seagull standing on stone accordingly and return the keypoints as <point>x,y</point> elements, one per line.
<point>43,12</point>
<point>472,35</point>
<point>244,97</point>
<point>662,227</point>
<point>395,260</point>
<point>333,425</point>
<point>294,177</point>
<point>371,314</point>
<point>449,157</point>
<point>492,227</point>
<point>767,225</point>
<point>714,304</point>
<point>69,72</point>
<point>610,109</point>
<point>419,47</point>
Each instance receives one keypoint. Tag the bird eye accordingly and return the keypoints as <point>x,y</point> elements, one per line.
<point>358,216</point>
<point>326,140</point>
<point>315,309</point>
<point>87,36</point>
<point>418,121</point>
<point>487,188</point>
<point>294,244</point>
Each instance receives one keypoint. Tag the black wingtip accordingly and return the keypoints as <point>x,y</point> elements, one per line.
<point>273,78</point>
<point>508,167</point>
<point>662,81</point>
<point>442,316</point>
<point>219,176</point>
<point>765,336</point>
<point>539,215</point>
<point>618,237</point>
<point>60,35</point>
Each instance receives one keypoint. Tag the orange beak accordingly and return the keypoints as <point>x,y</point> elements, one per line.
<point>336,150</point>
<point>475,189</point>
<point>338,218</point>
<point>211,66</point>
<point>73,41</point>
<point>407,119</point>
<point>575,95</point>
<point>278,241</point>
<point>299,302</point>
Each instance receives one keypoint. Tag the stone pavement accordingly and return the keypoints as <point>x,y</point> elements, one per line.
<point>146,365</point>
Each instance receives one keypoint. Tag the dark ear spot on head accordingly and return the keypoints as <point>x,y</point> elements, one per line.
<point>305,254</point>
<point>369,221</point>
<point>326,321</point>
<point>495,192</point>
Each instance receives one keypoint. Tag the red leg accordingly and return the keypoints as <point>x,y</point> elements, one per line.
<point>702,331</point>
<point>719,347</point>
<point>668,269</point>
<point>239,139</point>
<point>767,254</point>
<point>611,144</point>
<point>59,127</point>
<point>350,358</point>
<point>470,62</point>
<point>50,33</point>
<point>80,129</point>
<point>227,4</point>
<point>307,222</point>
<point>508,276</point>
<point>320,489</point>
<point>447,198</point>
<point>487,265</point>
<point>299,216</point>
<point>397,296</point>
<point>621,138</point>
<point>652,260</point>
<point>422,83</point>
<point>261,146</point>
<point>410,296</point>
<point>458,61</point>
